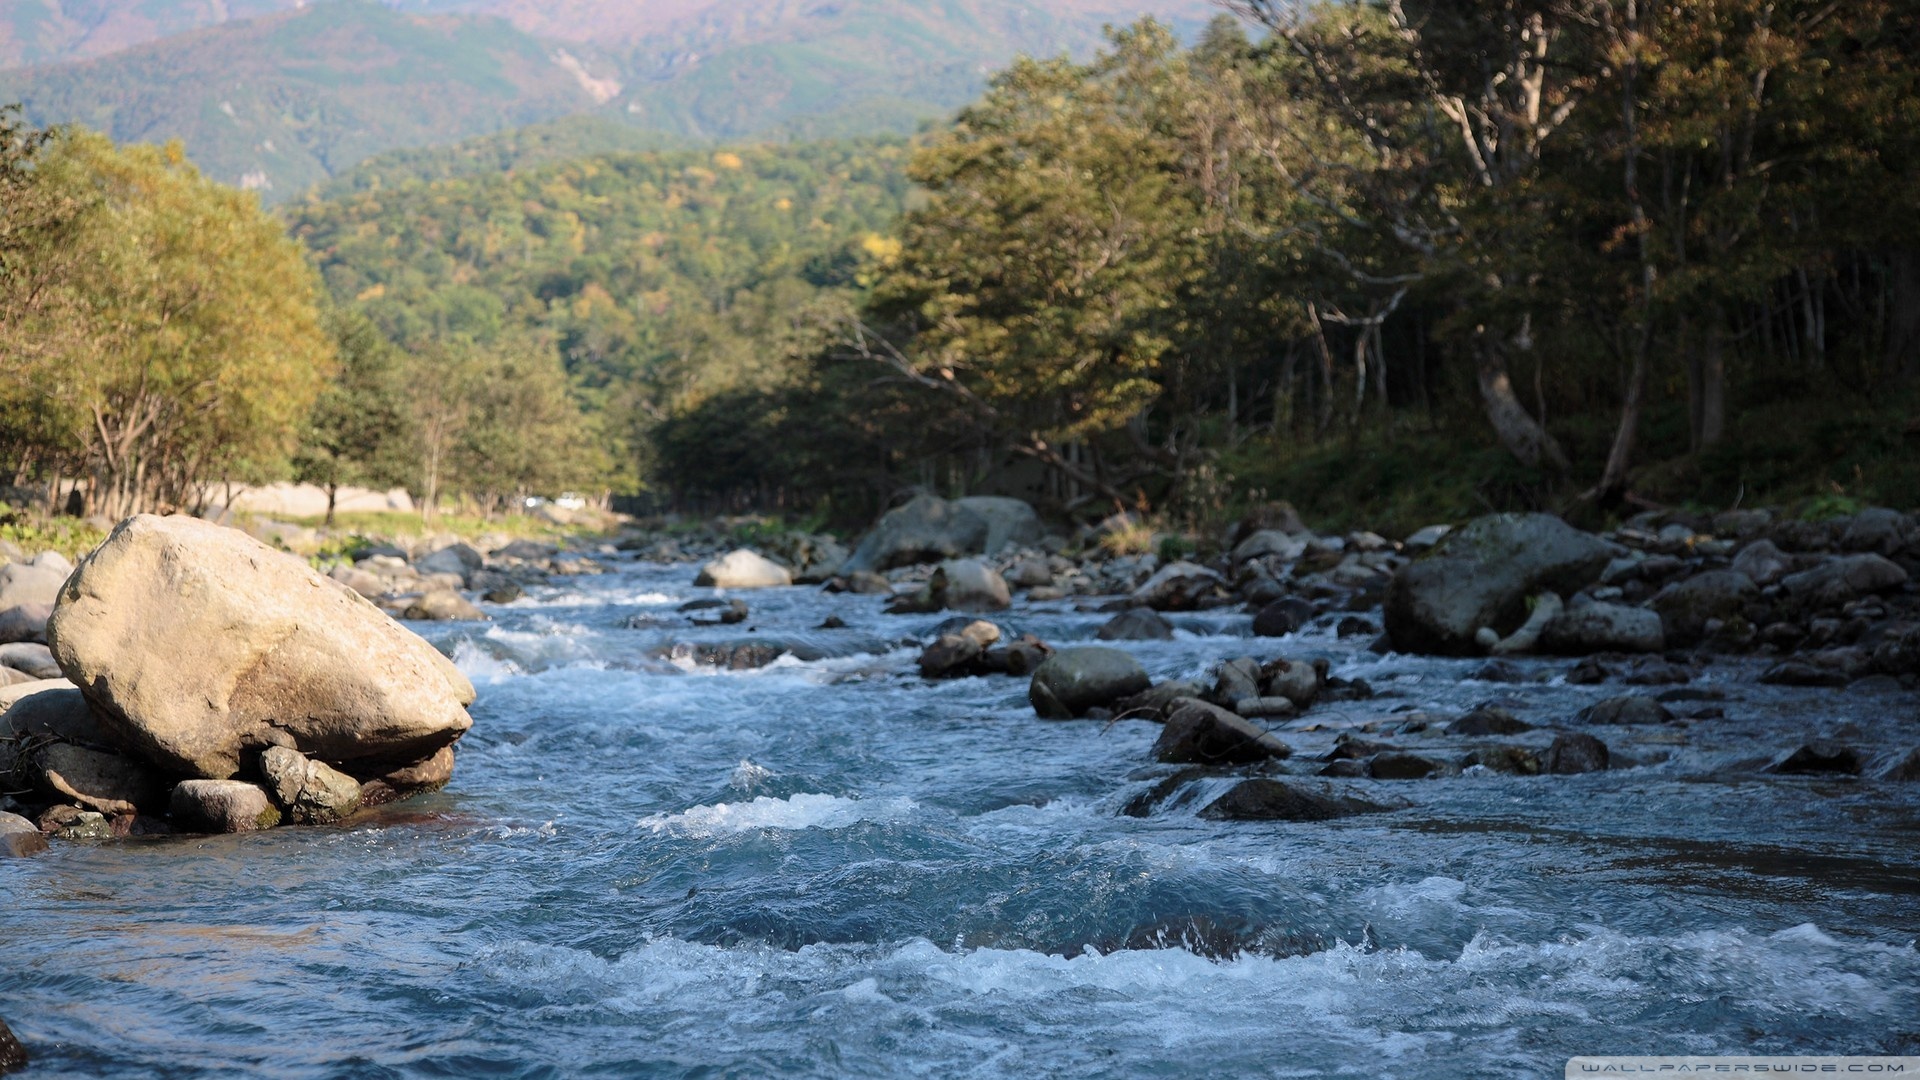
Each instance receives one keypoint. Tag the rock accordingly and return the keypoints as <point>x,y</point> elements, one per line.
<point>1136,624</point>
<point>527,551</point>
<point>19,838</point>
<point>1072,681</point>
<point>197,643</point>
<point>222,806</point>
<point>1800,673</point>
<point>1819,758</point>
<point>31,657</point>
<point>1261,799</point>
<point>459,559</point>
<point>1178,586</point>
<point>1686,607</point>
<point>867,583</point>
<point>1201,734</point>
<point>1269,543</point>
<point>1255,708</point>
<point>73,823</point>
<point>1282,617</point>
<point>25,622</point>
<point>925,530</point>
<point>1405,766</point>
<point>1904,768</point>
<point>364,582</point>
<point>1481,576</point>
<point>504,594</point>
<point>1541,610</point>
<point>1626,710</point>
<point>1295,680</point>
<point>1511,760</point>
<point>1875,529</point>
<point>1429,537</point>
<point>1603,627</point>
<point>309,792</point>
<point>1488,721</point>
<point>1234,680</point>
<point>1030,574</point>
<point>24,583</point>
<point>743,569</point>
<point>407,781</point>
<point>1573,754</point>
<point>1843,579</point>
<point>958,653</point>
<point>1010,522</point>
<point>1762,562</point>
<point>100,780</point>
<point>968,585</point>
<point>1154,704</point>
<point>1022,657</point>
<point>442,605</point>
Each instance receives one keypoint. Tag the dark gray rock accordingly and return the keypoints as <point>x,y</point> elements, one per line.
<point>1179,586</point>
<point>1847,578</point>
<point>925,530</point>
<point>1818,758</point>
<point>1155,703</point>
<point>1405,766</point>
<point>1482,575</point>
<point>1262,799</point>
<point>1573,753</point>
<point>1512,760</point>
<point>1073,681</point>
<point>1282,617</point>
<point>1632,709</point>
<point>1687,607</point>
<point>1136,624</point>
<point>1603,627</point>
<point>1198,733</point>
<point>1801,673</point>
<point>1010,522</point>
<point>1488,721</point>
<point>25,622</point>
<point>1762,562</point>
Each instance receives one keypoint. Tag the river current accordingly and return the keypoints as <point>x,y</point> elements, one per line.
<point>834,868</point>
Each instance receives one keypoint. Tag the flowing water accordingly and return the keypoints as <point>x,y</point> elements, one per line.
<point>833,868</point>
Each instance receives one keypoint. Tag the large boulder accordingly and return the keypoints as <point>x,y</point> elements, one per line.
<point>1073,681</point>
<point>1603,627</point>
<point>925,530</point>
<point>1481,575</point>
<point>198,644</point>
<point>743,569</point>
<point>1010,522</point>
<point>1687,607</point>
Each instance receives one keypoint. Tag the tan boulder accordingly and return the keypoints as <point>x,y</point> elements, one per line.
<point>199,644</point>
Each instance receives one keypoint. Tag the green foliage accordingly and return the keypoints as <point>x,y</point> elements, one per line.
<point>359,432</point>
<point>70,537</point>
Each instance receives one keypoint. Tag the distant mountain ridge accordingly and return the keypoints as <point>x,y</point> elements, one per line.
<point>279,94</point>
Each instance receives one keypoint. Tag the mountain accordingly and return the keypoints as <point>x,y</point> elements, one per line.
<point>278,95</point>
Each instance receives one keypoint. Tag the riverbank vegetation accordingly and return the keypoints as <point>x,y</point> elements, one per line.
<point>1394,262</point>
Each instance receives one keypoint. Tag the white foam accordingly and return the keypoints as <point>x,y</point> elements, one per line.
<point>802,811</point>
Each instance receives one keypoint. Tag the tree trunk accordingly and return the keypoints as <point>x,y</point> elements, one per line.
<point>1903,312</point>
<point>1517,430</point>
<point>332,493</point>
<point>1613,481</point>
<point>1713,382</point>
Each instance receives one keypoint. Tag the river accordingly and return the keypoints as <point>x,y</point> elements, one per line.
<point>833,868</point>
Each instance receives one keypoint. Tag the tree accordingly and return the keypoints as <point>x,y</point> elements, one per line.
<point>359,431</point>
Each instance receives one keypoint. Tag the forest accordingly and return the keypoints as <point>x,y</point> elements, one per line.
<point>1393,261</point>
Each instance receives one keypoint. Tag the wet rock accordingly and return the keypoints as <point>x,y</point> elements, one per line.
<point>1157,702</point>
<point>1843,579</point>
<point>1657,673</point>
<point>1136,624</point>
<point>1265,707</point>
<point>863,583</point>
<point>1354,626</point>
<point>1903,768</point>
<point>1762,562</point>
<point>1499,671</point>
<point>1010,522</point>
<point>309,792</point>
<point>1488,721</point>
<point>959,652</point>
<point>1603,627</point>
<point>1345,769</point>
<point>19,838</point>
<point>925,530</point>
<point>1269,543</point>
<point>1179,586</point>
<point>1263,799</point>
<point>726,612</point>
<point>1198,733</point>
<point>1481,576</point>
<point>743,568</point>
<point>197,642</point>
<point>1632,709</point>
<point>1349,747</point>
<point>1030,574</point>
<point>1157,796</point>
<point>1022,656</point>
<point>406,781</point>
<point>1298,681</point>
<point>1801,673</point>
<point>1589,672</point>
<point>1405,766</point>
<point>1282,617</point>
<point>1510,760</point>
<point>1542,610</point>
<point>1817,758</point>
<point>1687,608</point>
<point>442,605</point>
<point>25,622</point>
<point>100,780</point>
<point>1073,681</point>
<point>74,824</point>
<point>958,585</point>
<point>222,806</point>
<point>1234,680</point>
<point>832,622</point>
<point>460,559</point>
<point>1572,754</point>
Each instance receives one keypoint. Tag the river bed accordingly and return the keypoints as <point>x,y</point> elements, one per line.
<point>835,868</point>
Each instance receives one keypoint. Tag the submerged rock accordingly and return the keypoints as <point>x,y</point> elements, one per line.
<point>198,644</point>
<point>1136,624</point>
<point>222,806</point>
<point>1261,799</point>
<point>1817,758</point>
<point>1632,709</point>
<point>1198,733</point>
<point>1073,681</point>
<point>12,1054</point>
<point>442,605</point>
<point>1571,754</point>
<point>406,781</point>
<point>1480,576</point>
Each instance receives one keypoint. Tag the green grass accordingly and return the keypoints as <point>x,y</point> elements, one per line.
<point>70,537</point>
